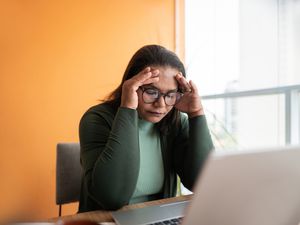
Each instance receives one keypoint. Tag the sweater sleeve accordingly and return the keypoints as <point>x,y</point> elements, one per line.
<point>110,157</point>
<point>192,146</point>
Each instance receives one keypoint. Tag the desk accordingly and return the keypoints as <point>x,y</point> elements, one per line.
<point>105,216</point>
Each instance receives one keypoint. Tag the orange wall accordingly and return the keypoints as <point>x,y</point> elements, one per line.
<point>57,58</point>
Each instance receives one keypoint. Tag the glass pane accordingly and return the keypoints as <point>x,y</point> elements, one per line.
<point>246,122</point>
<point>252,43</point>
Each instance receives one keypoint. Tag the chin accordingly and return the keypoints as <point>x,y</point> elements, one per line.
<point>151,117</point>
<point>154,120</point>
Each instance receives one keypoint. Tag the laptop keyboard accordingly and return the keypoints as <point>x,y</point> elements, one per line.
<point>174,221</point>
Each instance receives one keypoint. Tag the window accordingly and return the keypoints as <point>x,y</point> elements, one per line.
<point>243,56</point>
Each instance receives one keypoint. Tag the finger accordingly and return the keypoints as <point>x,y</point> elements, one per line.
<point>185,86</point>
<point>193,86</point>
<point>146,70</point>
<point>151,80</point>
<point>178,75</point>
<point>183,82</point>
<point>155,73</point>
<point>143,75</point>
<point>146,78</point>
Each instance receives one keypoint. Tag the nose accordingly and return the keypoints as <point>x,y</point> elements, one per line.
<point>160,102</point>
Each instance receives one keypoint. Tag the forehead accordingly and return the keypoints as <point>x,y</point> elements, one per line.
<point>167,79</point>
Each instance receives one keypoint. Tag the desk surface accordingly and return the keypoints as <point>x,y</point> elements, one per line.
<point>105,216</point>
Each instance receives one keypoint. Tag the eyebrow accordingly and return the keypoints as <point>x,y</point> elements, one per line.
<point>152,86</point>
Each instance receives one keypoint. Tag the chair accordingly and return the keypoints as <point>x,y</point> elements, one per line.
<point>68,173</point>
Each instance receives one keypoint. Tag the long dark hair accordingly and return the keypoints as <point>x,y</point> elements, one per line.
<point>150,55</point>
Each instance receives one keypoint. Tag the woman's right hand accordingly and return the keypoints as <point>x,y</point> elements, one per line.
<point>129,97</point>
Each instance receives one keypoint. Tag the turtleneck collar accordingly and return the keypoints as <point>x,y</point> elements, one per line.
<point>145,125</point>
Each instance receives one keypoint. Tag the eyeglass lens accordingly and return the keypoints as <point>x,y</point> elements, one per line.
<point>151,95</point>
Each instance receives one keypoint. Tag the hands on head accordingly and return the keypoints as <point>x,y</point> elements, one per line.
<point>189,103</point>
<point>129,90</point>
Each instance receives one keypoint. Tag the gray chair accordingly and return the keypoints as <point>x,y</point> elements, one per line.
<point>68,173</point>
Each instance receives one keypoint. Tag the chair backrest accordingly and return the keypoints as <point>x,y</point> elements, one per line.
<point>68,173</point>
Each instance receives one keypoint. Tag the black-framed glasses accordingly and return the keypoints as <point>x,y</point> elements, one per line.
<point>151,95</point>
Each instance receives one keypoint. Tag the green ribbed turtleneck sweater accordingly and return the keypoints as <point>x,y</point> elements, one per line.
<point>151,173</point>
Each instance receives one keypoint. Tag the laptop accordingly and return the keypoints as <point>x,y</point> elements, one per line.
<point>258,187</point>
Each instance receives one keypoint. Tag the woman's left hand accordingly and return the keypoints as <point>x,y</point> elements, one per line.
<point>190,102</point>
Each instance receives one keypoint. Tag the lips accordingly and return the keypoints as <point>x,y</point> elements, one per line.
<point>156,113</point>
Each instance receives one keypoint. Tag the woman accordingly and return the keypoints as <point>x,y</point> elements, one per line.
<point>151,129</point>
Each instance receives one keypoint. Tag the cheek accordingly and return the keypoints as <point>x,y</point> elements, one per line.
<point>169,108</point>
